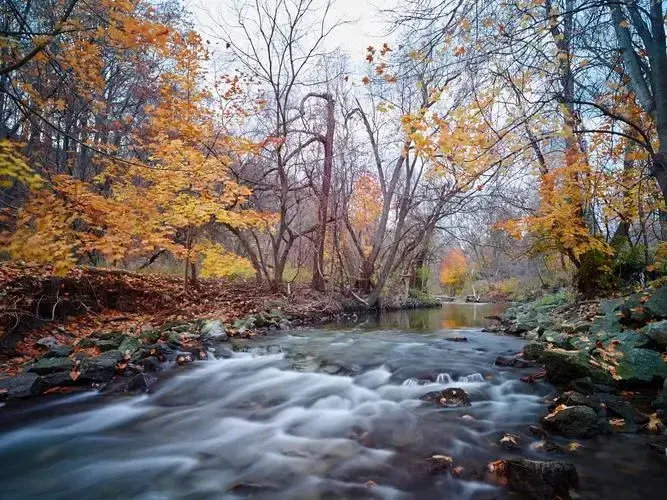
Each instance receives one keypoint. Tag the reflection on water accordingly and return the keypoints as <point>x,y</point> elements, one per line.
<point>451,316</point>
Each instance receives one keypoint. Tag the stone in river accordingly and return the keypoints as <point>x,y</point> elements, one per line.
<point>448,398</point>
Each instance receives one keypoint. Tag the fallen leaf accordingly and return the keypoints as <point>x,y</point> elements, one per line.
<point>574,446</point>
<point>617,422</point>
<point>370,484</point>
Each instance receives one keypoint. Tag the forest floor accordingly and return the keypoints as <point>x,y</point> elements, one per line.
<point>87,302</point>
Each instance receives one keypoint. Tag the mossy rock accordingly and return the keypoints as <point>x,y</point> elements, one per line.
<point>51,365</point>
<point>559,339</point>
<point>657,304</point>
<point>641,365</point>
<point>563,366</point>
<point>129,344</point>
<point>534,350</point>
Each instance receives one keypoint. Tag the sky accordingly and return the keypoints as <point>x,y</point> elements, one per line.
<point>365,26</point>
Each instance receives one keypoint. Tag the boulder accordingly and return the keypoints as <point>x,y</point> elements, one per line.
<point>213,330</point>
<point>509,442</point>
<point>573,422</point>
<point>22,386</point>
<point>576,327</point>
<point>640,365</point>
<point>563,366</point>
<point>448,398</point>
<point>542,480</point>
<point>533,350</point>
<point>657,332</point>
<point>45,366</point>
<point>616,407</point>
<point>101,368</point>
<point>657,304</point>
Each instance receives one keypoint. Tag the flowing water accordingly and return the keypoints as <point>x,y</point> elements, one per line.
<point>323,413</point>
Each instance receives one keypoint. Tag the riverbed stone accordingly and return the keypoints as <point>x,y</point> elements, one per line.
<point>22,386</point>
<point>59,351</point>
<point>542,480</point>
<point>657,332</point>
<point>129,344</point>
<point>45,366</point>
<point>453,397</point>
<point>563,366</point>
<point>573,422</point>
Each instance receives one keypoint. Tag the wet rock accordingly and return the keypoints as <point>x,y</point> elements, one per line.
<point>150,364</point>
<point>537,431</point>
<point>573,398</point>
<point>510,442</point>
<point>184,358</point>
<point>136,383</point>
<point>641,365</point>
<point>660,403</point>
<point>542,480</point>
<point>533,351</point>
<point>213,330</point>
<point>657,332</point>
<point>574,421</point>
<point>438,464</point>
<point>101,368</point>
<point>45,366</point>
<point>657,304</point>
<point>563,366</point>
<point>513,361</point>
<point>457,339</point>
<point>619,408</point>
<point>226,352</point>
<point>22,386</point>
<point>448,398</point>
<point>633,312</point>
<point>198,353</point>
<point>585,385</point>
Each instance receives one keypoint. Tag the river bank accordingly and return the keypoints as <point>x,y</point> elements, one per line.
<point>606,358</point>
<point>97,328</point>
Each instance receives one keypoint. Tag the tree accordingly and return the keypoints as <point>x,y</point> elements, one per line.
<point>453,270</point>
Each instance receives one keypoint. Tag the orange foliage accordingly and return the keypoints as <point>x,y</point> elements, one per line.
<point>453,269</point>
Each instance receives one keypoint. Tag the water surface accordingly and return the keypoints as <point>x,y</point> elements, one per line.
<point>319,413</point>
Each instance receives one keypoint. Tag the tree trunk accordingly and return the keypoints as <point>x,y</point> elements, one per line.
<point>318,281</point>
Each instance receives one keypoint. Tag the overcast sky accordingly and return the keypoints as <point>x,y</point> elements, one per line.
<point>365,27</point>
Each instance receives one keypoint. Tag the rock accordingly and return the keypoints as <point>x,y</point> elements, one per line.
<point>532,335</point>
<point>45,366</point>
<point>574,398</point>
<point>58,351</point>
<point>574,422</point>
<point>150,364</point>
<point>47,342</point>
<point>585,385</point>
<point>576,327</point>
<point>628,338</point>
<point>457,339</point>
<point>438,464</point>
<point>542,480</point>
<point>139,383</point>
<point>448,398</point>
<point>513,361</point>
<point>620,408</point>
<point>101,368</point>
<point>559,339</point>
<point>537,431</point>
<point>657,332</point>
<point>641,365</point>
<point>59,379</point>
<point>184,358</point>
<point>23,386</point>
<point>660,403</point>
<point>657,304</point>
<point>533,351</point>
<point>129,344</point>
<point>563,366</point>
<point>213,330</point>
<point>510,442</point>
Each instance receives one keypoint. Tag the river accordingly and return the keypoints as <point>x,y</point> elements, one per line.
<point>332,412</point>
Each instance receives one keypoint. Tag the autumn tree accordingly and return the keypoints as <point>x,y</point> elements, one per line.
<point>453,270</point>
